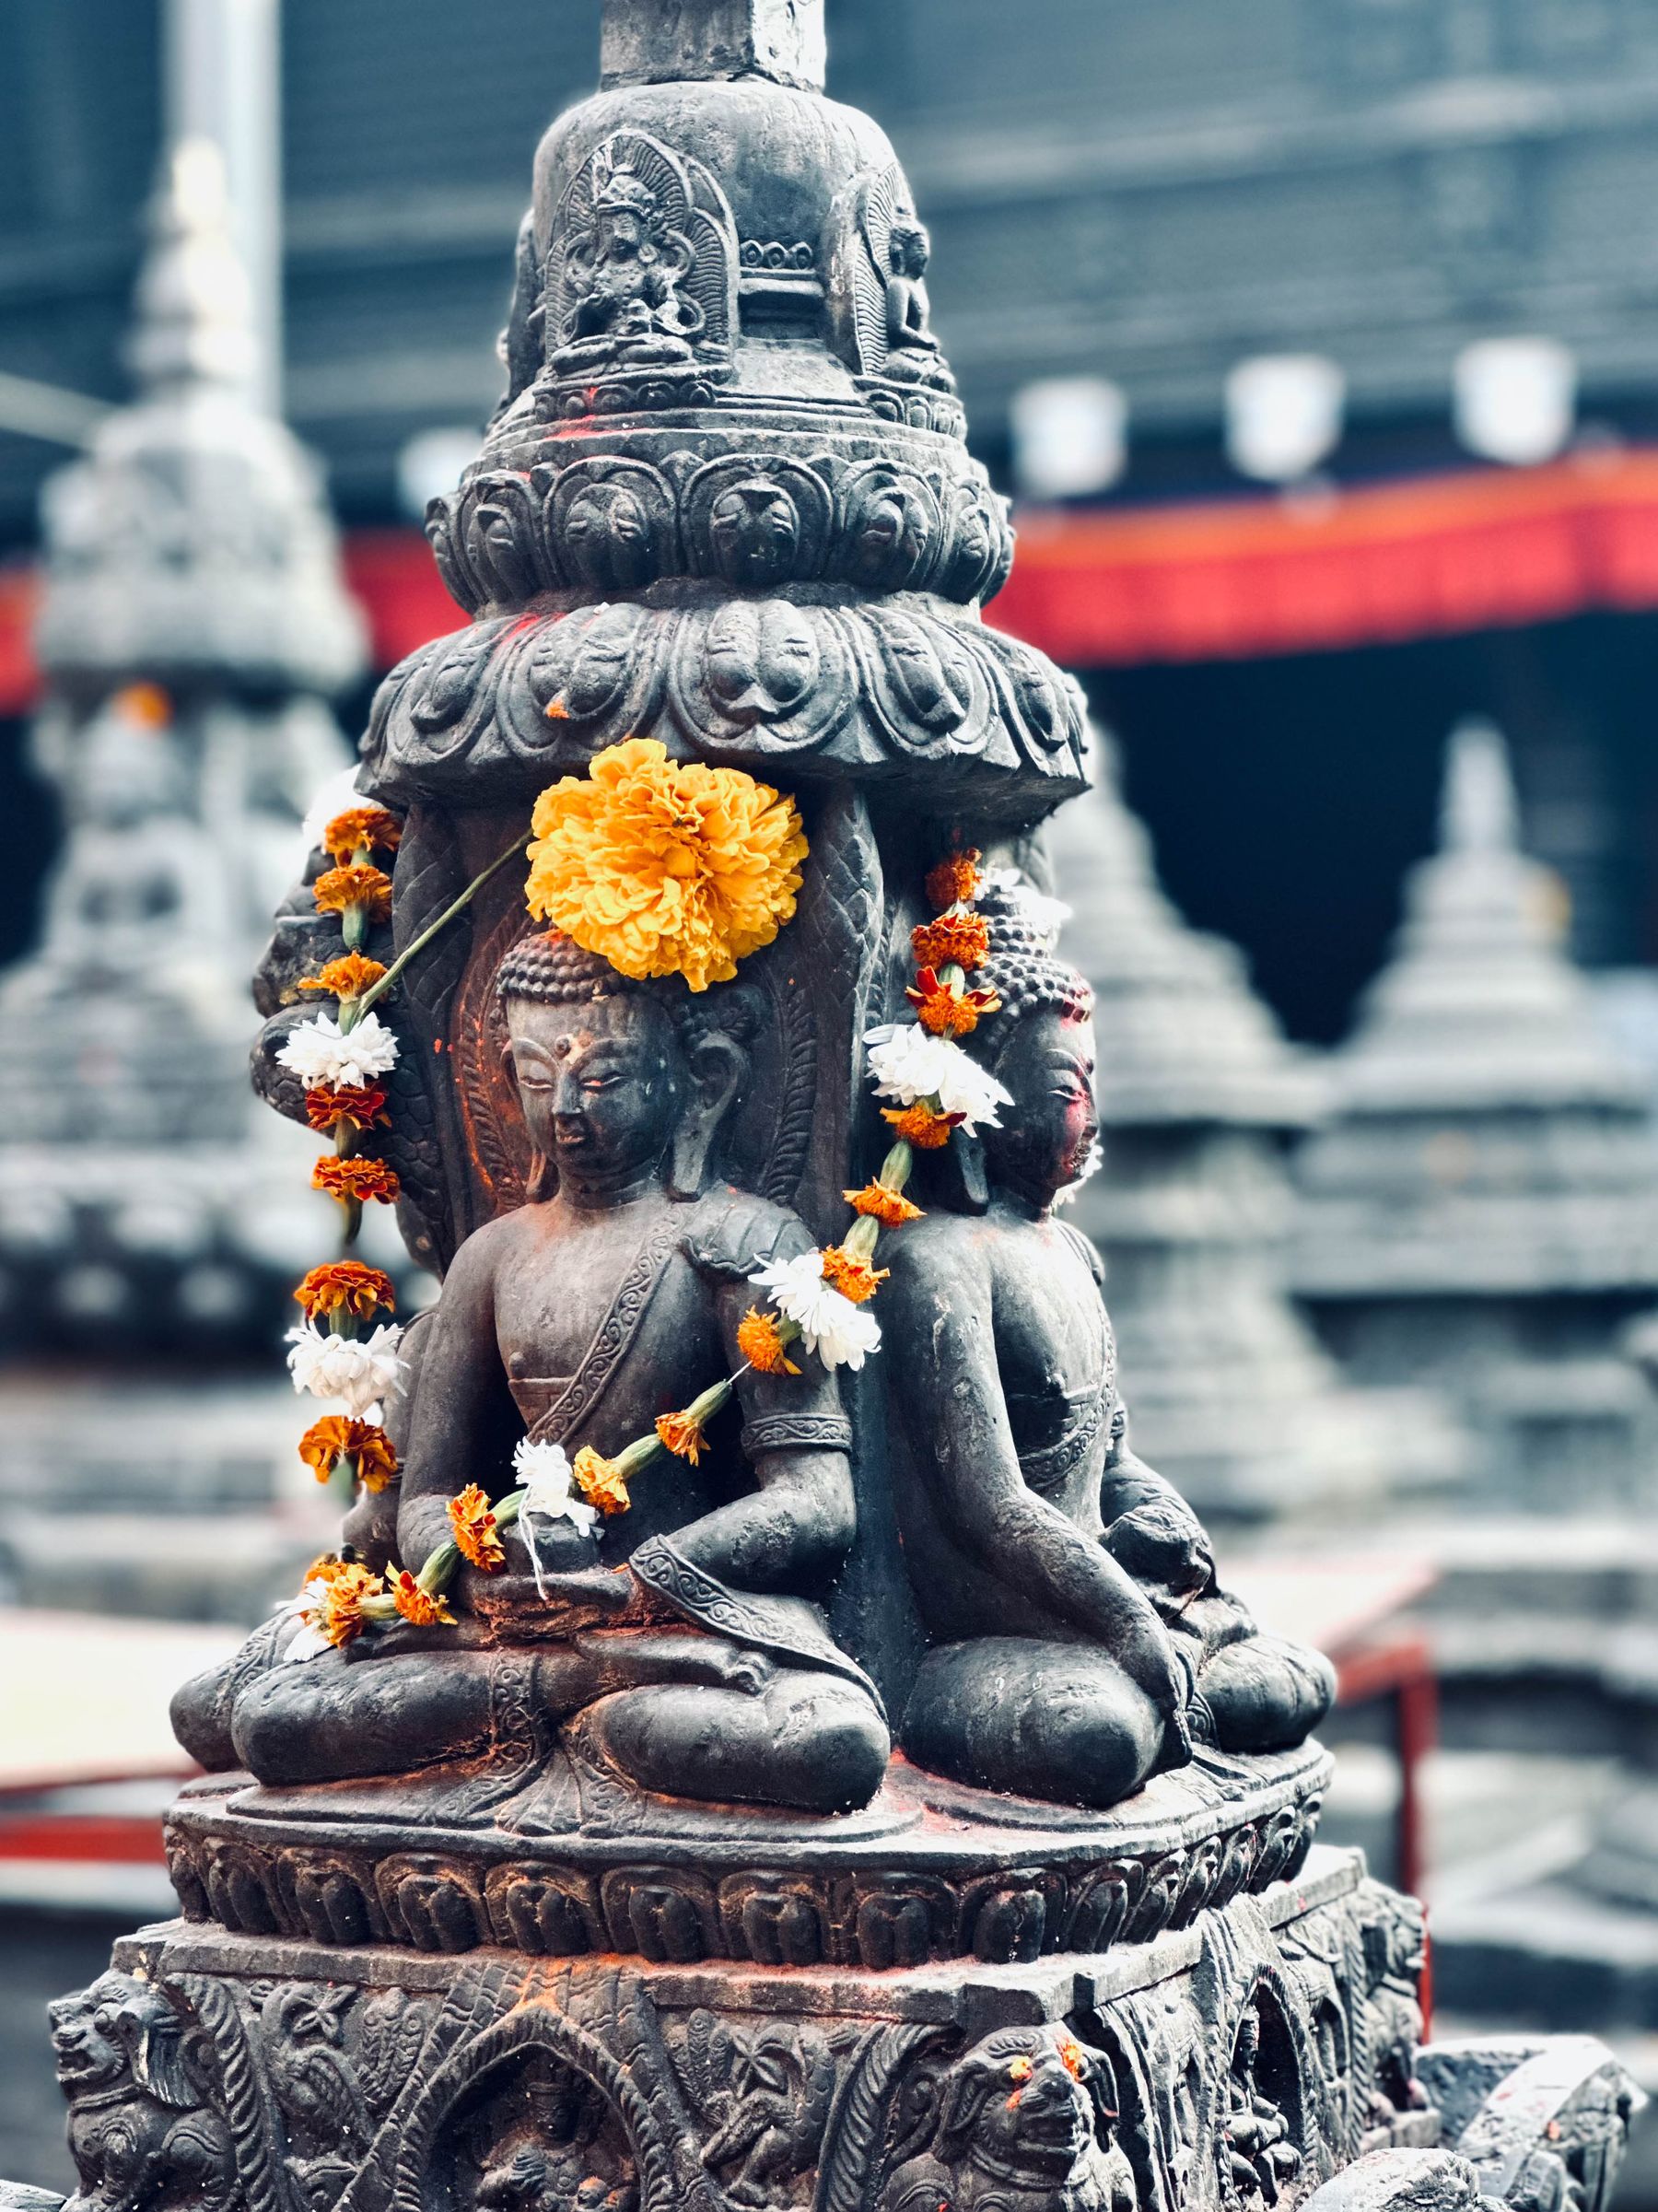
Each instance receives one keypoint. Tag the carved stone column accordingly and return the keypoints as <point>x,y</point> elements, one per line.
<point>454,1941</point>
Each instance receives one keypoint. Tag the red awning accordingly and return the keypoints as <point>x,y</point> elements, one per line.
<point>1237,579</point>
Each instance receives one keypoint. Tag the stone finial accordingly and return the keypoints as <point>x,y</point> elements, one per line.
<point>195,320</point>
<point>1477,809</point>
<point>652,42</point>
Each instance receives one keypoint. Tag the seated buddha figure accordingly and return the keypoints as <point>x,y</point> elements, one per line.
<point>1078,1639</point>
<point>673,1647</point>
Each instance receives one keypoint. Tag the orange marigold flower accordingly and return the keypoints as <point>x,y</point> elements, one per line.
<point>1071,2058</point>
<point>853,1278</point>
<point>337,1612</point>
<point>364,1109</point>
<point>889,1208</point>
<point>954,879</point>
<point>601,1481</point>
<point>761,1345</point>
<point>943,1011</point>
<point>325,1442</point>
<point>353,887</point>
<point>1021,2069</point>
<point>419,1606</point>
<point>347,977</point>
<point>683,1435</point>
<point>361,825</point>
<point>474,1529</point>
<point>357,1177</point>
<point>952,940</point>
<point>376,1459</point>
<point>322,1568</point>
<point>921,1125</point>
<point>346,1286</point>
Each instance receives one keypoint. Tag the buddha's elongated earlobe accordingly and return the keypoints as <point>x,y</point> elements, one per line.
<point>718,1065</point>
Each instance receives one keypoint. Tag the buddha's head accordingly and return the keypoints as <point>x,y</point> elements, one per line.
<point>1041,1046</point>
<point>622,1083</point>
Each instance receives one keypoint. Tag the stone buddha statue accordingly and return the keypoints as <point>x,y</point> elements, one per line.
<point>1079,1640</point>
<point>629,303</point>
<point>673,1649</point>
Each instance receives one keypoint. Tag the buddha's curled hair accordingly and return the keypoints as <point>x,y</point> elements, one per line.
<point>553,970</point>
<point>1025,974</point>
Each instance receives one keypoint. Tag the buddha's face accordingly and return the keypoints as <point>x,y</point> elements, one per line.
<point>602,1083</point>
<point>1049,1130</point>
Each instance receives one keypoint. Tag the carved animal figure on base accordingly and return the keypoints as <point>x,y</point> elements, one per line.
<point>1026,2125</point>
<point>139,2134</point>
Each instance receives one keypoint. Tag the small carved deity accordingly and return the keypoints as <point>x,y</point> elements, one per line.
<point>1026,2125</point>
<point>627,274</point>
<point>139,2134</point>
<point>1258,2160</point>
<point>908,310</point>
<point>1079,1638</point>
<point>674,1649</point>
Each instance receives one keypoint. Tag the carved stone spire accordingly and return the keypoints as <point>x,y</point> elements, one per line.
<point>194,321</point>
<point>1487,1184</point>
<point>653,41</point>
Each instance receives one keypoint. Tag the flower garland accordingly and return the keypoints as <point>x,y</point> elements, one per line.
<point>663,869</point>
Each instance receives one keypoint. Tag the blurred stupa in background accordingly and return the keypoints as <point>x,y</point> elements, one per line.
<point>194,625</point>
<point>1233,1398</point>
<point>1481,1209</point>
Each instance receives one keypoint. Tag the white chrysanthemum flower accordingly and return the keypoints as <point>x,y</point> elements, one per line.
<point>907,1064</point>
<point>1090,1167</point>
<point>308,1642</point>
<point>841,1334</point>
<point>543,1473</point>
<point>334,797</point>
<point>360,1372</point>
<point>324,1057</point>
<point>1045,916</point>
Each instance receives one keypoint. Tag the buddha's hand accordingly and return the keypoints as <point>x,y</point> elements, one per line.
<point>1146,1656</point>
<point>1164,1541</point>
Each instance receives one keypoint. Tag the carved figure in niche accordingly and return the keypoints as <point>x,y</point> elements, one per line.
<point>606,537</point>
<point>139,2134</point>
<point>908,310</point>
<point>756,533</point>
<point>623,277</point>
<point>674,1646</point>
<point>1257,2160</point>
<point>1395,1955</point>
<point>1081,1640</point>
<point>1026,2124</point>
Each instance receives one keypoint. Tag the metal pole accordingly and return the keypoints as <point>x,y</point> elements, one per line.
<point>224,82</point>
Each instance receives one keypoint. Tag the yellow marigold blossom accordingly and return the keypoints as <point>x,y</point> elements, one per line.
<point>346,1286</point>
<point>954,880</point>
<point>376,1459</point>
<point>682,1434</point>
<point>473,1524</point>
<point>1019,2069</point>
<point>419,1606</point>
<point>663,868</point>
<point>921,1125</point>
<point>761,1344</point>
<point>952,940</point>
<point>364,1109</point>
<point>360,826</point>
<point>337,1610</point>
<point>601,1481</point>
<point>888,1207</point>
<point>347,977</point>
<point>354,885</point>
<point>943,1011</point>
<point>853,1278</point>
<point>355,1177</point>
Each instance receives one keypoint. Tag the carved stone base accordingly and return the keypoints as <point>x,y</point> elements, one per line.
<point>1253,2055</point>
<point>553,1859</point>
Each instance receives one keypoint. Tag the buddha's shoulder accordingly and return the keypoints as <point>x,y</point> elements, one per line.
<point>729,1233</point>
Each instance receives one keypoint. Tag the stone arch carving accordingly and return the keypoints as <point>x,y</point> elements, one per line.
<point>425,2181</point>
